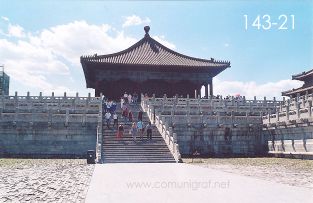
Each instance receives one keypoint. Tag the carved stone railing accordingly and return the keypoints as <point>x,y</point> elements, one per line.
<point>292,112</point>
<point>52,109</point>
<point>42,103</point>
<point>199,106</point>
<point>169,137</point>
<point>231,101</point>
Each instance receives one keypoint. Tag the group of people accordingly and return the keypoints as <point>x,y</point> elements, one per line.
<point>137,128</point>
<point>109,108</point>
<point>129,99</point>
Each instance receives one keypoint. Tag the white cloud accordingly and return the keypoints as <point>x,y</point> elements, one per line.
<point>166,43</point>
<point>226,45</point>
<point>135,20</point>
<point>5,18</point>
<point>77,38</point>
<point>251,89</point>
<point>43,60</point>
<point>16,31</point>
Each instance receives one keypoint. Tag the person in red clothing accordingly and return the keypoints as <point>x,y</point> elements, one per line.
<point>120,132</point>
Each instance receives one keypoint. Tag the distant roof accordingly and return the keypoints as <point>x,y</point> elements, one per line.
<point>303,76</point>
<point>148,51</point>
<point>297,90</point>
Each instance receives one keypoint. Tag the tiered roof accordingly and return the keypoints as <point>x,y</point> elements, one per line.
<point>303,76</point>
<point>151,53</point>
<point>307,87</point>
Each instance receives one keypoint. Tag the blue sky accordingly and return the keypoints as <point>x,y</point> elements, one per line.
<point>262,60</point>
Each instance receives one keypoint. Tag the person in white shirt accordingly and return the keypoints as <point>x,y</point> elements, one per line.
<point>122,102</point>
<point>115,120</point>
<point>130,98</point>
<point>125,97</point>
<point>107,116</point>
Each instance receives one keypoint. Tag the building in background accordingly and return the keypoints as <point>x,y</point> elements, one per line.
<point>4,83</point>
<point>150,67</point>
<point>307,87</point>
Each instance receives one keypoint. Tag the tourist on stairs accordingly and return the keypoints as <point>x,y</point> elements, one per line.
<point>129,98</point>
<point>133,131</point>
<point>140,128</point>
<point>125,97</point>
<point>130,116</point>
<point>122,102</point>
<point>149,131</point>
<point>120,132</point>
<point>107,118</point>
<point>115,120</point>
<point>140,116</point>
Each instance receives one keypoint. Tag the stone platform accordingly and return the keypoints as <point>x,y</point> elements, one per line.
<point>184,183</point>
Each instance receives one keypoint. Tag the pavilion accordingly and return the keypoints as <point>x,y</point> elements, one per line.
<point>307,87</point>
<point>150,67</point>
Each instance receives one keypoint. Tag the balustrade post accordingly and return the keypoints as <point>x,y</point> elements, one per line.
<point>232,117</point>
<point>298,110</point>
<point>274,101</point>
<point>310,108</point>
<point>297,98</point>
<point>269,117</point>
<point>277,115</point>
<point>67,117</point>
<point>15,100</point>
<point>287,111</point>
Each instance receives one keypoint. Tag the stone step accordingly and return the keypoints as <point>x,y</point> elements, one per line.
<point>127,150</point>
<point>134,145</point>
<point>132,156</point>
<point>137,151</point>
<point>112,148</point>
<point>138,161</point>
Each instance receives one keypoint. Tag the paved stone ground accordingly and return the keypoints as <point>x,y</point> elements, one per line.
<point>44,180</point>
<point>185,183</point>
<point>294,172</point>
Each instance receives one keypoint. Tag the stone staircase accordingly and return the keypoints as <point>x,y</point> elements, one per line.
<point>128,151</point>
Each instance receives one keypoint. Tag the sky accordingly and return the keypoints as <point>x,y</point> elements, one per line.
<point>41,41</point>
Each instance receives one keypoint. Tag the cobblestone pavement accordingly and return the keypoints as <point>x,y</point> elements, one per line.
<point>44,180</point>
<point>294,172</point>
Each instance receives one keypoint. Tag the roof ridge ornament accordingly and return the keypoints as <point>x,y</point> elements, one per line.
<point>147,29</point>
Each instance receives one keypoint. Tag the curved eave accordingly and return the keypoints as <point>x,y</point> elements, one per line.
<point>303,76</point>
<point>296,91</point>
<point>150,41</point>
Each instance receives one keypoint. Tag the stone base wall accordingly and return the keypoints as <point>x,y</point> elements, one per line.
<point>292,141</point>
<point>44,140</point>
<point>221,141</point>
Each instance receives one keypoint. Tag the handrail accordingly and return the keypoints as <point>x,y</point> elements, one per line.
<point>169,137</point>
